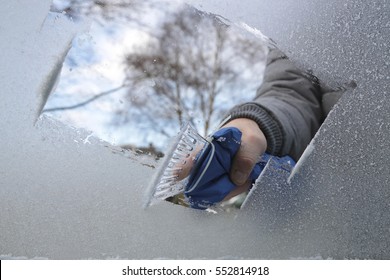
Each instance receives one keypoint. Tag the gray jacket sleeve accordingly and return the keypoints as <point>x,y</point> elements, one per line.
<point>287,107</point>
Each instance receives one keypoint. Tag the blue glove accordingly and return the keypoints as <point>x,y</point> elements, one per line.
<point>209,182</point>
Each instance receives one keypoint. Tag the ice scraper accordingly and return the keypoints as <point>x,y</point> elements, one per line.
<point>199,168</point>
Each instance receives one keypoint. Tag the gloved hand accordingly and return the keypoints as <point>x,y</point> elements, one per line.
<point>229,164</point>
<point>253,145</point>
<point>209,181</point>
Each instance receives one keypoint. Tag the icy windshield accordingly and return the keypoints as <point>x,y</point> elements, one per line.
<point>66,194</point>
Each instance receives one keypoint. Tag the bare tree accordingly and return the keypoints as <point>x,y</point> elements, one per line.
<point>105,10</point>
<point>186,66</point>
<point>193,66</point>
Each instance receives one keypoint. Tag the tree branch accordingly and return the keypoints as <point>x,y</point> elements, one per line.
<point>104,93</point>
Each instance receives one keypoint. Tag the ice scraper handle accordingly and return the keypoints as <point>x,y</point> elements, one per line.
<point>210,183</point>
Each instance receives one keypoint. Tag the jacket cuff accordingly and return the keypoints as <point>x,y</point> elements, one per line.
<point>269,125</point>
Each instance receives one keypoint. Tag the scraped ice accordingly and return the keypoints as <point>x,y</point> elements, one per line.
<point>309,149</point>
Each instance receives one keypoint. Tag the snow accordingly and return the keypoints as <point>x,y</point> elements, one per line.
<point>65,194</point>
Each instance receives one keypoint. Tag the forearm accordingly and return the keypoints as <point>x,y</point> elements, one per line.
<point>287,107</point>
